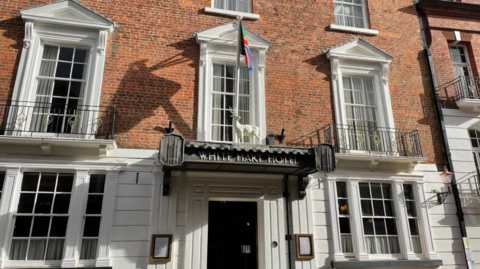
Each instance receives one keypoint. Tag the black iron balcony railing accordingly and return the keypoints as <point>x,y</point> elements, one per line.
<point>461,88</point>
<point>363,140</point>
<point>58,119</point>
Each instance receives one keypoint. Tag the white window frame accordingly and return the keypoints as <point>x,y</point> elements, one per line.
<point>214,49</point>
<point>358,235</point>
<point>228,61</point>
<point>460,64</point>
<point>77,207</point>
<point>230,13</point>
<point>45,25</point>
<point>366,30</point>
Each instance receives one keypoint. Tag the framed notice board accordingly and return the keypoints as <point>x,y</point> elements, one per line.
<point>161,249</point>
<point>305,246</point>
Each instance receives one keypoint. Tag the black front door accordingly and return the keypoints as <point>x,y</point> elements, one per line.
<point>232,235</point>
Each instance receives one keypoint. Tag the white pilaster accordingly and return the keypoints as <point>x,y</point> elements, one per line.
<point>402,227</point>
<point>7,207</point>
<point>332,197</point>
<point>76,210</point>
<point>425,230</point>
<point>356,219</point>
<point>108,207</point>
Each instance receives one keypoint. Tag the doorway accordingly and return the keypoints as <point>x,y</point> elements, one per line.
<point>232,235</point>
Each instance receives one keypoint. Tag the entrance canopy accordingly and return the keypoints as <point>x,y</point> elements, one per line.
<point>189,155</point>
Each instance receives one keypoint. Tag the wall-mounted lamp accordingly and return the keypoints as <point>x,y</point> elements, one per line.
<point>447,179</point>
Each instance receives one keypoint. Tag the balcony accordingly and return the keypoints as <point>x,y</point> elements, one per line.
<point>56,124</point>
<point>372,144</point>
<point>464,92</point>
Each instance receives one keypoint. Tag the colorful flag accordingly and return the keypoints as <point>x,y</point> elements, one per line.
<point>244,49</point>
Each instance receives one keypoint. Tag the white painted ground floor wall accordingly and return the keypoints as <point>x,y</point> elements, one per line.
<point>457,124</point>
<point>139,210</point>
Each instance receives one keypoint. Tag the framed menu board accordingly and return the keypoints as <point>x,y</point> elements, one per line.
<point>305,246</point>
<point>161,249</point>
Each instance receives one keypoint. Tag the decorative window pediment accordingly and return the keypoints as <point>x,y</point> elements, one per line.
<point>69,13</point>
<point>358,49</point>
<point>227,35</point>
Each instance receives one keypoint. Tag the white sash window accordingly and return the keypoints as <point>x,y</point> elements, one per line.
<point>234,5</point>
<point>350,13</point>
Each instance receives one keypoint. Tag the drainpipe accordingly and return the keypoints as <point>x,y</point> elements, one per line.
<point>288,236</point>
<point>446,148</point>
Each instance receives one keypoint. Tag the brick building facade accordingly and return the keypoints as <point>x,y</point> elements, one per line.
<point>90,88</point>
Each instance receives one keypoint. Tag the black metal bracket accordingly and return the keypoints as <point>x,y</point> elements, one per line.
<point>281,137</point>
<point>442,196</point>
<point>288,237</point>
<point>169,130</point>
<point>167,179</point>
<point>302,186</point>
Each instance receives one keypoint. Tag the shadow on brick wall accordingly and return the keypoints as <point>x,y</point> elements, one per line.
<point>12,29</point>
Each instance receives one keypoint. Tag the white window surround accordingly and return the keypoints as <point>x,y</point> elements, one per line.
<point>353,29</point>
<point>358,236</point>
<point>62,23</point>
<point>218,45</point>
<point>13,181</point>
<point>359,58</point>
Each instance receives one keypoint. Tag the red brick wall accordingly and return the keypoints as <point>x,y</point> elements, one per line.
<point>151,75</point>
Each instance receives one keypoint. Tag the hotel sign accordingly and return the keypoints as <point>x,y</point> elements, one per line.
<point>242,157</point>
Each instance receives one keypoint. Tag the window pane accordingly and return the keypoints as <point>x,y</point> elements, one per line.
<point>89,249</point>
<point>18,249</point>
<point>62,203</point>
<point>407,188</point>
<point>81,56</point>
<point>36,249</point>
<point>391,227</point>
<point>386,191</point>
<point>367,208</point>
<point>78,70</point>
<point>47,182</point>
<point>97,184</point>
<point>40,226</point>
<point>344,225</point>
<point>59,226</point>
<point>411,209</point>
<point>380,227</point>
<point>65,183</point>
<point>44,203</point>
<point>474,143</point>
<point>61,88</point>
<point>230,71</point>
<point>63,70</point>
<point>30,181</point>
<point>472,133</point>
<point>364,190</point>
<point>368,226</point>
<point>55,249</point>
<point>378,208</point>
<point>50,52</point>
<point>342,189</point>
<point>25,205</point>
<point>376,190</point>
<point>66,54</point>
<point>94,204</point>
<point>413,226</point>
<point>92,226</point>
<point>342,207</point>
<point>22,226</point>
<point>389,211</point>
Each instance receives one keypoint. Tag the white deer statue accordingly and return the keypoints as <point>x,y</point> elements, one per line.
<point>241,129</point>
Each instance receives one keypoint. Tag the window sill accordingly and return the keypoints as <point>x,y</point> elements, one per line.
<point>230,13</point>
<point>353,29</point>
<point>386,263</point>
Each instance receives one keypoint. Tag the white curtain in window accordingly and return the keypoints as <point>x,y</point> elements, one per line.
<point>382,245</point>
<point>18,249</point>
<point>370,242</point>
<point>55,249</point>
<point>36,249</point>
<point>394,245</point>
<point>417,245</point>
<point>347,244</point>
<point>218,4</point>
<point>89,249</point>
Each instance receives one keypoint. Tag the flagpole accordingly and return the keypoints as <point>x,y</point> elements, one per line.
<point>237,79</point>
